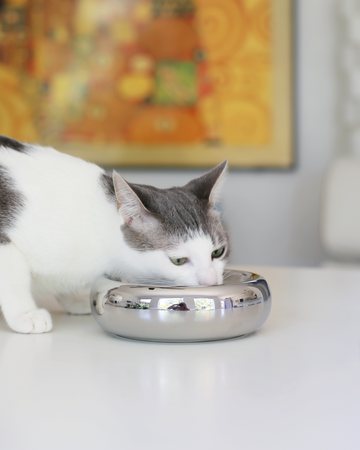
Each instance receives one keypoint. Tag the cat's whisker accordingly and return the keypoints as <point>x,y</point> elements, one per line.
<point>227,273</point>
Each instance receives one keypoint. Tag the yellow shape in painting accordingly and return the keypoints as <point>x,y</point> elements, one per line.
<point>208,107</point>
<point>65,89</point>
<point>143,11</point>
<point>123,32</point>
<point>60,89</point>
<point>241,80</point>
<point>86,17</point>
<point>222,27</point>
<point>8,78</point>
<point>15,114</point>
<point>135,86</point>
<point>261,21</point>
<point>6,123</point>
<point>244,122</point>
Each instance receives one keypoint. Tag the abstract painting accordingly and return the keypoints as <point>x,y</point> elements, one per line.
<point>150,83</point>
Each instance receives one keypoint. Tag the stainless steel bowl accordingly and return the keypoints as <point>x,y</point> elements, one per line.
<point>235,308</point>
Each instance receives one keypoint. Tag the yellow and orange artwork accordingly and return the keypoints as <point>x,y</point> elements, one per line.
<point>149,82</point>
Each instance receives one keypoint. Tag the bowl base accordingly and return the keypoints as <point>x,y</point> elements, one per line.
<point>178,341</point>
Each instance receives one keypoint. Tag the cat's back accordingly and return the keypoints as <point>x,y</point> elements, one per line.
<point>35,164</point>
<point>48,186</point>
<point>56,205</point>
<point>45,176</point>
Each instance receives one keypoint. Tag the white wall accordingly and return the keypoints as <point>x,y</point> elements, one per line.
<point>273,216</point>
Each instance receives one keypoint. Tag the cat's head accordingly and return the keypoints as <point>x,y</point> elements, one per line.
<point>175,234</point>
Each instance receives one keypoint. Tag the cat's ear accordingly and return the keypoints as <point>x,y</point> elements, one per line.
<point>130,206</point>
<point>208,186</point>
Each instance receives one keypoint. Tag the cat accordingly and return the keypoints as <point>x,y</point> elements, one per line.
<point>65,221</point>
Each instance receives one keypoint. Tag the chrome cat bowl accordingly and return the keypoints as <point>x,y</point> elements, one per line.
<point>235,308</point>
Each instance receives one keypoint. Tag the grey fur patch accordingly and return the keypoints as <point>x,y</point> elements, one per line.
<point>13,144</point>
<point>180,215</point>
<point>178,209</point>
<point>203,186</point>
<point>11,204</point>
<point>143,242</point>
<point>107,184</point>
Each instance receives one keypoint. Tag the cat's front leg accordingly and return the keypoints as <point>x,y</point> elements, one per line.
<point>75,303</point>
<point>17,304</point>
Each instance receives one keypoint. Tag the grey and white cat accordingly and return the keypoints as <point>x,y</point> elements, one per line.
<point>64,221</point>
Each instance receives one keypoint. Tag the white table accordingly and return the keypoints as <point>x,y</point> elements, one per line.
<point>294,384</point>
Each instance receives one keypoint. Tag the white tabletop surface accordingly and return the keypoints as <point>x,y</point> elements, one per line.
<point>294,384</point>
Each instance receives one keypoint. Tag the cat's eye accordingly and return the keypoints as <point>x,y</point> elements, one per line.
<point>178,261</point>
<point>218,253</point>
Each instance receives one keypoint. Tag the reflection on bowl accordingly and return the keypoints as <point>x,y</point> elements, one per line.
<point>235,308</point>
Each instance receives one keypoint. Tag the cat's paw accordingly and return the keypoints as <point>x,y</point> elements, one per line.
<point>37,321</point>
